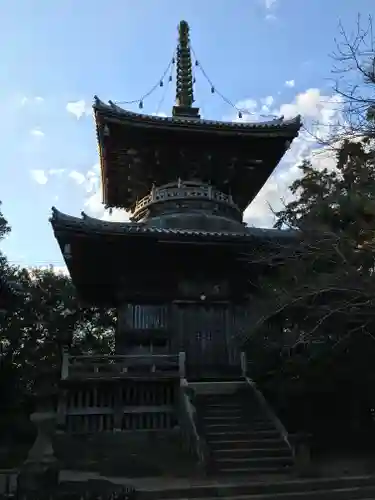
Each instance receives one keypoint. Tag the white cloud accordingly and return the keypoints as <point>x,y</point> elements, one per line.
<point>39,176</point>
<point>56,171</point>
<point>90,183</point>
<point>78,108</point>
<point>77,177</point>
<point>320,113</point>
<point>266,104</point>
<point>271,17</point>
<point>268,101</point>
<point>247,105</point>
<point>290,83</point>
<point>269,4</point>
<point>30,100</point>
<point>36,132</point>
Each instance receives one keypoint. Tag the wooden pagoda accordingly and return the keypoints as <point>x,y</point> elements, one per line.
<point>174,272</point>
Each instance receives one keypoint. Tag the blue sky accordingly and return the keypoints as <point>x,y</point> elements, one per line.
<point>55,55</point>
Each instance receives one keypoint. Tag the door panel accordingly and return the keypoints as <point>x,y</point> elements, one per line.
<point>203,337</point>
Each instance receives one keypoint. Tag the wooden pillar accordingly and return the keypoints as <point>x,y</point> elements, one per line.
<point>64,363</point>
<point>62,409</point>
<point>243,363</point>
<point>182,364</point>
<point>122,313</point>
<point>117,408</point>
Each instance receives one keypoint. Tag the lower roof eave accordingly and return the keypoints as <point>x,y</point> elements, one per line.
<point>90,226</point>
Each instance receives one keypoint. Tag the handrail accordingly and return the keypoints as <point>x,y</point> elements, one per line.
<point>270,412</point>
<point>115,357</point>
<point>117,363</point>
<point>188,413</point>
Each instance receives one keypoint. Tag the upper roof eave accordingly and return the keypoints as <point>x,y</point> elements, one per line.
<point>278,126</point>
<point>91,225</point>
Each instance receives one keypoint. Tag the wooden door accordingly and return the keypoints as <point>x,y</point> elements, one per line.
<point>203,337</point>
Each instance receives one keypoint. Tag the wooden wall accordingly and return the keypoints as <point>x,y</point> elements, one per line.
<point>205,330</point>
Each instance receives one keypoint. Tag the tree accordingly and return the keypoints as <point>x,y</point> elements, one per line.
<point>354,69</point>
<point>41,313</point>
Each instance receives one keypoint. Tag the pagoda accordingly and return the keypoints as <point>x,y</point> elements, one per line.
<point>175,272</point>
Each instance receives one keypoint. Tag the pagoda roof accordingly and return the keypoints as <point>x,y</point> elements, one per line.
<point>107,258</point>
<point>62,222</point>
<point>138,151</point>
<point>274,127</point>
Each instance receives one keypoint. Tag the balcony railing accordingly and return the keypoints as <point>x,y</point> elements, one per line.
<point>164,193</point>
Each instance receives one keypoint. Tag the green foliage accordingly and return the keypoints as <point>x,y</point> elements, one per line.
<point>46,317</point>
<point>42,314</point>
<point>341,200</point>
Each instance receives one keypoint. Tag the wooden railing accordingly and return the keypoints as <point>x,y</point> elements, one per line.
<point>8,482</point>
<point>83,366</point>
<point>145,403</point>
<point>134,405</point>
<point>203,191</point>
<point>193,442</point>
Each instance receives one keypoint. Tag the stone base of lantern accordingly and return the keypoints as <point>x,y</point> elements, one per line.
<point>40,470</point>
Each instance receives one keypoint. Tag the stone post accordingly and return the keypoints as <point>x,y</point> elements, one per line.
<point>39,472</point>
<point>302,453</point>
<point>42,449</point>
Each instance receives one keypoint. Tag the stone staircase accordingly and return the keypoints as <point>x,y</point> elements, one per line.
<point>240,438</point>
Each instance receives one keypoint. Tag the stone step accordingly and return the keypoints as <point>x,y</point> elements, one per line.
<point>222,406</point>
<point>236,433</point>
<point>366,493</point>
<point>223,442</point>
<point>253,471</point>
<point>237,423</point>
<point>250,452</point>
<point>240,427</point>
<point>224,409</point>
<point>235,462</point>
<point>337,488</point>
<point>225,417</point>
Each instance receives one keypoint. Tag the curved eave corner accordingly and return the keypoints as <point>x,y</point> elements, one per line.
<point>289,127</point>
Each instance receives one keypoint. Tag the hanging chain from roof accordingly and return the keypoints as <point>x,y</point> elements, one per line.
<point>214,90</point>
<point>180,81</point>
<point>162,99</point>
<point>160,83</point>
